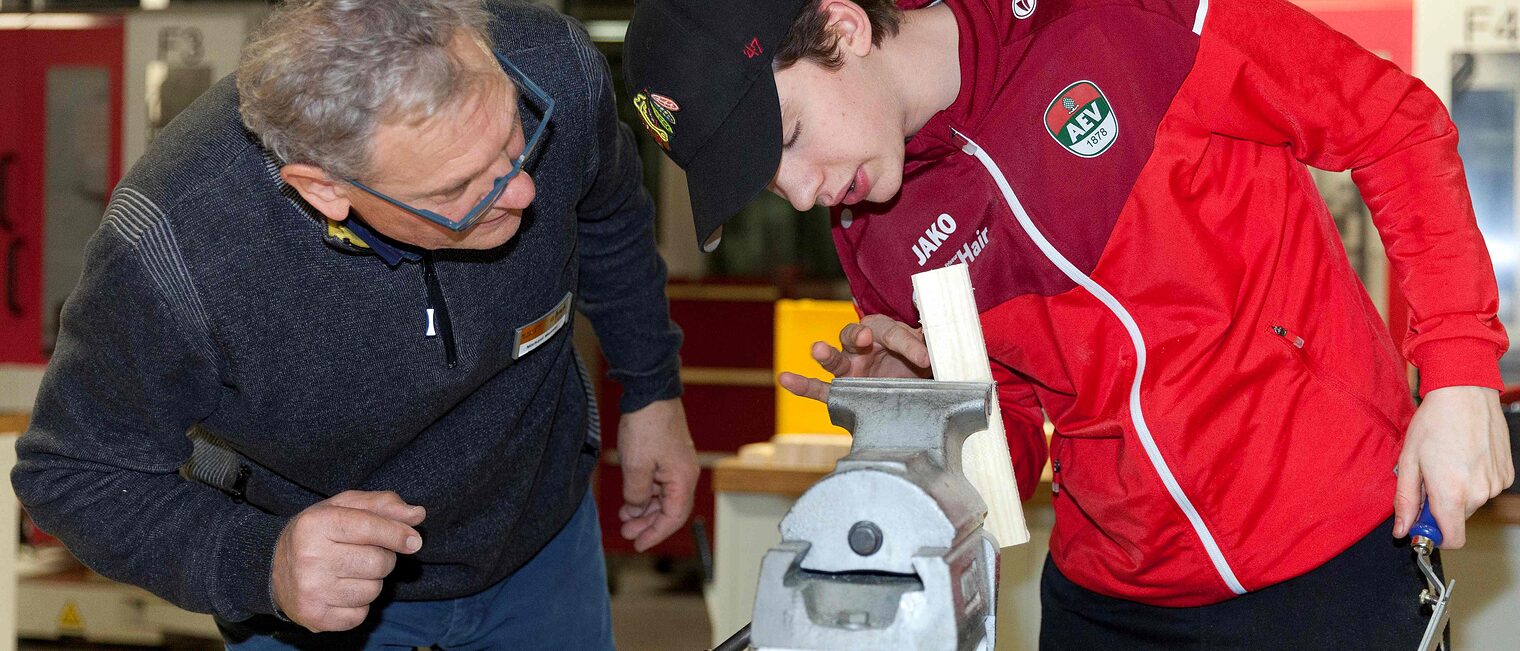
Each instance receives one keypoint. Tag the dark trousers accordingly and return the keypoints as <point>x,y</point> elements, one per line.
<point>1365,598</point>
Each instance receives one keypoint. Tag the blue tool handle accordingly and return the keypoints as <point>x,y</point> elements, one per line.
<point>1425,525</point>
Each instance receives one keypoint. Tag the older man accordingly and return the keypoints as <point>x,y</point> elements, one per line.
<point>359,305</point>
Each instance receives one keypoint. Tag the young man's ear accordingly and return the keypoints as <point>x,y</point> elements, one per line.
<point>850,23</point>
<point>329,197</point>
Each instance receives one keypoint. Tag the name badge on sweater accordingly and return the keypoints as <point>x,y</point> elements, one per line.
<point>534,334</point>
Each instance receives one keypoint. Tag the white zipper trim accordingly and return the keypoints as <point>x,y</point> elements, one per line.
<point>1136,414</point>
<point>1203,10</point>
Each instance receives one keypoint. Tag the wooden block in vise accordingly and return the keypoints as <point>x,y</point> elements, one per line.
<point>957,351</point>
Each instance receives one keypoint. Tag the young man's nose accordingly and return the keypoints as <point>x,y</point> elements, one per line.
<point>800,193</point>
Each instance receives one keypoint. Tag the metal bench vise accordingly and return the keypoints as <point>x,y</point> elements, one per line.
<point>887,551</point>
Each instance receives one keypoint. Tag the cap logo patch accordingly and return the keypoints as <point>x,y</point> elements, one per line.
<point>753,49</point>
<point>658,113</point>
<point>669,104</point>
<point>1024,8</point>
<point>1081,120</point>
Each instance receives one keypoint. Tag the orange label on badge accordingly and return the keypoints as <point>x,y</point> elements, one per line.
<point>534,334</point>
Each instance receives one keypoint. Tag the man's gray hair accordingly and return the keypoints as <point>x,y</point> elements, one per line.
<point>319,75</point>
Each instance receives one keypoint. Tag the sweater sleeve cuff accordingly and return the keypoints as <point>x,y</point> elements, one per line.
<point>1457,362</point>
<point>244,567</point>
<point>638,392</point>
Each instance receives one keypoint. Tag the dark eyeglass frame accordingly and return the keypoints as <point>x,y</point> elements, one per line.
<point>500,185</point>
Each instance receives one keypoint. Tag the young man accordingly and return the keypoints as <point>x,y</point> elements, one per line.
<point>349,272</point>
<point>1127,181</point>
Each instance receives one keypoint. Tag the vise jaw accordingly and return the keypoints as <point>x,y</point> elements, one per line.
<point>887,551</point>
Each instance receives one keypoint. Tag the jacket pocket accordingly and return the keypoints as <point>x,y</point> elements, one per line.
<point>1092,490</point>
<point>1329,380</point>
<point>1063,457</point>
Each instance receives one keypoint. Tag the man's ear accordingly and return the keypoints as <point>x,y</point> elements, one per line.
<point>850,23</point>
<point>329,197</point>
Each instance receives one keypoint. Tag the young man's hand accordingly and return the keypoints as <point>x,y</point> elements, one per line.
<point>1457,454</point>
<point>876,347</point>
<point>332,558</point>
<point>660,472</point>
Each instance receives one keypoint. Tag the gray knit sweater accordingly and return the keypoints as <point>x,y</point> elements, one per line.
<point>214,299</point>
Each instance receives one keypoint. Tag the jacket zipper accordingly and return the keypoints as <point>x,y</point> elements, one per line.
<point>1137,340</point>
<point>438,309</point>
<point>1296,344</point>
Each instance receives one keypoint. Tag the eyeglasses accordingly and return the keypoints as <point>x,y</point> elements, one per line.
<point>545,104</point>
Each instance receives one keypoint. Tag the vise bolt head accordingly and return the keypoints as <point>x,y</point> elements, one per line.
<point>865,538</point>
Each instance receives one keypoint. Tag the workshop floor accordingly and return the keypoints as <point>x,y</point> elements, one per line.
<point>652,610</point>
<point>658,611</point>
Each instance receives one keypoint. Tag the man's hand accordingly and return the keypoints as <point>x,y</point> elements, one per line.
<point>1457,454</point>
<point>659,472</point>
<point>332,558</point>
<point>876,347</point>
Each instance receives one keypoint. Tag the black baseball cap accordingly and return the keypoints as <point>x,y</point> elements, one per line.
<point>700,74</point>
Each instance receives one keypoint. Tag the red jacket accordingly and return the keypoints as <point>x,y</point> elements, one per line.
<point>1156,271</point>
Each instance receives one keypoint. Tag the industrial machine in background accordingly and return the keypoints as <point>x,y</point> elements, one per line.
<point>80,106</point>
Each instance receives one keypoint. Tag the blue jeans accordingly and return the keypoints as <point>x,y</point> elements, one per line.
<point>557,601</point>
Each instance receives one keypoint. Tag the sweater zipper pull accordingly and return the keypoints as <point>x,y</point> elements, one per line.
<point>438,311</point>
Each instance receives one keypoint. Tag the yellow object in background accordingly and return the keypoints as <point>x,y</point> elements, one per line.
<point>799,323</point>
